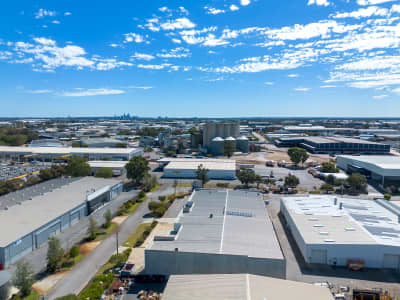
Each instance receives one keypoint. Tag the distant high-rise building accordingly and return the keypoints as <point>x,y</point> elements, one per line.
<point>219,129</point>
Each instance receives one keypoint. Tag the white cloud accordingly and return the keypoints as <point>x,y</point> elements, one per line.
<point>143,56</point>
<point>153,67</point>
<point>372,2</point>
<point>180,23</point>
<point>213,11</point>
<point>109,64</point>
<point>67,13</point>
<point>327,86</point>
<point>379,97</point>
<point>244,2</point>
<point>269,83</point>
<point>163,9</point>
<point>397,91</point>
<point>44,13</point>
<point>44,41</point>
<point>114,45</point>
<point>92,92</point>
<point>133,37</point>
<point>318,2</point>
<point>183,10</point>
<point>293,75</point>
<point>302,89</point>
<point>175,53</point>
<point>56,22</point>
<point>176,41</point>
<point>39,91</point>
<point>364,13</point>
<point>233,7</point>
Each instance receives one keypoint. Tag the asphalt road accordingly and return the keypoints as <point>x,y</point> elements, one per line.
<point>81,274</point>
<point>74,234</point>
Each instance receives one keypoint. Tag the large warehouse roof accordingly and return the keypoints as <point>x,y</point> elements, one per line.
<point>192,164</point>
<point>107,164</point>
<point>239,287</point>
<point>20,220</point>
<point>239,226</point>
<point>65,150</point>
<point>320,221</point>
<point>384,162</point>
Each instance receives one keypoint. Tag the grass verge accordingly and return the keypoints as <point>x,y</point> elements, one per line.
<point>136,235</point>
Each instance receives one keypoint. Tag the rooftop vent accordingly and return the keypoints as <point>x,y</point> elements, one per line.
<point>350,229</point>
<point>335,201</point>
<point>324,233</point>
<point>318,225</point>
<point>329,241</point>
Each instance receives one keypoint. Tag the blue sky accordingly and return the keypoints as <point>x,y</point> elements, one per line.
<point>215,58</point>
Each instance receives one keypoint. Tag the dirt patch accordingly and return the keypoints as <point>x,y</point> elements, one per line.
<point>119,220</point>
<point>46,284</point>
<point>87,248</point>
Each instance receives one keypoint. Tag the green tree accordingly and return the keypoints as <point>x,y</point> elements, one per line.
<point>229,149</point>
<point>137,169</point>
<point>327,187</point>
<point>54,254</point>
<point>108,218</point>
<point>23,277</point>
<point>246,177</point>
<point>330,179</point>
<point>74,251</point>
<point>357,183</point>
<point>46,174</point>
<point>78,167</point>
<point>92,229</point>
<point>291,181</point>
<point>75,145</point>
<point>258,180</point>
<point>201,174</point>
<point>297,155</point>
<point>68,297</point>
<point>104,173</point>
<point>150,182</point>
<point>328,167</point>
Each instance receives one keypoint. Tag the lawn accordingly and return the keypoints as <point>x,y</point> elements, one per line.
<point>103,233</point>
<point>136,234</point>
<point>33,296</point>
<point>155,188</point>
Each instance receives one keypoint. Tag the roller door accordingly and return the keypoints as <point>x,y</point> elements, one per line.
<point>319,256</point>
<point>43,235</point>
<point>75,217</point>
<point>391,261</point>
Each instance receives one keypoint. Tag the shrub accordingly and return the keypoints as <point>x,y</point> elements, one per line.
<point>142,194</point>
<point>222,185</point>
<point>93,292</point>
<point>160,211</point>
<point>139,242</point>
<point>74,252</point>
<point>154,224</point>
<point>153,205</point>
<point>161,198</point>
<point>387,196</point>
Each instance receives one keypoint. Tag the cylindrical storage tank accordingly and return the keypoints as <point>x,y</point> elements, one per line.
<point>242,144</point>
<point>232,141</point>
<point>217,146</point>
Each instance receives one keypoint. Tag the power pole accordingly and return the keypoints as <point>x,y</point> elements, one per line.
<point>117,239</point>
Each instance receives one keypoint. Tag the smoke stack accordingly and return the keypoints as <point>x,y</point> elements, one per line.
<point>341,206</point>
<point>335,201</point>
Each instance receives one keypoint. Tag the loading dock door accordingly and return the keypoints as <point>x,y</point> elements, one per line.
<point>391,261</point>
<point>319,256</point>
<point>75,217</point>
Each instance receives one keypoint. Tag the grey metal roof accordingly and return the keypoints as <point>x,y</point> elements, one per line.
<point>20,220</point>
<point>240,287</point>
<point>239,226</point>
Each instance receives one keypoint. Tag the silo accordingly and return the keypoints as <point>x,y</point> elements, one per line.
<point>232,141</point>
<point>217,146</point>
<point>242,144</point>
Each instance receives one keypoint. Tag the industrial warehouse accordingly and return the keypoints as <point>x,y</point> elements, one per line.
<point>220,232</point>
<point>118,167</point>
<point>334,145</point>
<point>50,153</point>
<point>345,232</point>
<point>383,169</point>
<point>30,216</point>
<point>224,169</point>
<point>239,287</point>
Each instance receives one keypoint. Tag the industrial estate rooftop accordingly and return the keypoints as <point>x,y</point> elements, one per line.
<point>190,164</point>
<point>384,162</point>
<point>225,222</point>
<point>64,150</point>
<point>239,287</point>
<point>20,220</point>
<point>320,221</point>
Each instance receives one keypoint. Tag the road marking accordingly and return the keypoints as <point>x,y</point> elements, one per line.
<point>223,224</point>
<point>248,287</point>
